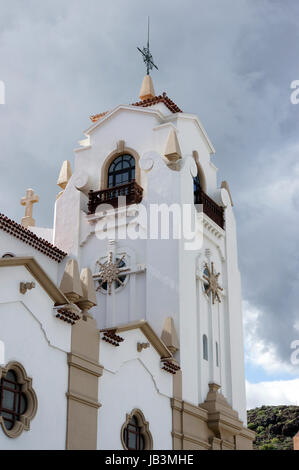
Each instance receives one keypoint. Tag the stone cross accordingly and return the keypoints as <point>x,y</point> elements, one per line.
<point>28,202</point>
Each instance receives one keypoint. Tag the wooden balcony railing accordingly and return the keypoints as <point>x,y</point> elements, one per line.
<point>132,191</point>
<point>215,212</point>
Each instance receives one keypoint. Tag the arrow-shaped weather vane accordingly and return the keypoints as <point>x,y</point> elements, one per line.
<point>147,56</point>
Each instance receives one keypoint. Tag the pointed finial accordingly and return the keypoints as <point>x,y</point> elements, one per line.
<point>89,298</point>
<point>147,88</point>
<point>71,283</point>
<point>64,176</point>
<point>172,149</point>
<point>169,335</point>
<point>28,202</point>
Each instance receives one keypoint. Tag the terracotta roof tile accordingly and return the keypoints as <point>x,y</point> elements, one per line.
<point>145,103</point>
<point>96,117</point>
<point>25,235</point>
<point>159,99</point>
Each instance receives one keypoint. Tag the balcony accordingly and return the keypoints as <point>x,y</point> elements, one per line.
<point>132,191</point>
<point>215,212</point>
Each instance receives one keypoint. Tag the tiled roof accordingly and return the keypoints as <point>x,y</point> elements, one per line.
<point>145,103</point>
<point>96,117</point>
<point>159,99</point>
<point>25,235</point>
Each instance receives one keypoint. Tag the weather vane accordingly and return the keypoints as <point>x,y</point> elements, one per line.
<point>147,56</point>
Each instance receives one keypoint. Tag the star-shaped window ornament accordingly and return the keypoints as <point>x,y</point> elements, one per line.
<point>111,272</point>
<point>211,284</point>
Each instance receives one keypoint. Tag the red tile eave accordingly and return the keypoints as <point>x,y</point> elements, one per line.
<point>145,104</point>
<point>159,99</point>
<point>26,236</point>
<point>96,117</point>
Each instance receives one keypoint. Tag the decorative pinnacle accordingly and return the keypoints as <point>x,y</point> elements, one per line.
<point>146,54</point>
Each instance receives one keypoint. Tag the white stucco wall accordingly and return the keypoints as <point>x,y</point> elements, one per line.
<point>40,342</point>
<point>133,380</point>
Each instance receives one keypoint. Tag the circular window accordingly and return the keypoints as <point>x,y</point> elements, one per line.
<point>119,281</point>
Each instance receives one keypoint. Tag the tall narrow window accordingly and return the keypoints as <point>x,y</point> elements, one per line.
<point>205,347</point>
<point>196,186</point>
<point>217,355</point>
<point>132,435</point>
<point>121,170</point>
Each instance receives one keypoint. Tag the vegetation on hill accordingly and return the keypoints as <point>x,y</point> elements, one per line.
<point>274,426</point>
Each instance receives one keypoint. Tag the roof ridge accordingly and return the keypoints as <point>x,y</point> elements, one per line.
<point>44,246</point>
<point>145,103</point>
<point>171,105</point>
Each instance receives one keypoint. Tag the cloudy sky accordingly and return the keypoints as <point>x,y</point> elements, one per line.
<point>229,61</point>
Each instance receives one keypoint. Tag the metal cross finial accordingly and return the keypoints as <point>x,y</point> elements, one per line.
<point>147,56</point>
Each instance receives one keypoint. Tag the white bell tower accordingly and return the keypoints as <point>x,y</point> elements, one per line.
<point>160,159</point>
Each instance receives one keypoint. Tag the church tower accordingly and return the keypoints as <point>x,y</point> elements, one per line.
<point>139,167</point>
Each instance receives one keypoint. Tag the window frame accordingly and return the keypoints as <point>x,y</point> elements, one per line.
<point>22,420</point>
<point>205,348</point>
<point>217,354</point>
<point>143,430</point>
<point>15,388</point>
<point>131,170</point>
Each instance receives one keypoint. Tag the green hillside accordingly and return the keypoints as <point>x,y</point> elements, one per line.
<point>274,426</point>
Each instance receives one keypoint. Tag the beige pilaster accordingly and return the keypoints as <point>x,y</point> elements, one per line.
<point>212,425</point>
<point>84,373</point>
<point>84,367</point>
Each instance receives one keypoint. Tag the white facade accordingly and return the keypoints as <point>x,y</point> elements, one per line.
<point>163,279</point>
<point>33,337</point>
<point>133,380</point>
<point>171,283</point>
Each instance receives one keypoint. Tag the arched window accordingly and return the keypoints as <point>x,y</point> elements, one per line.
<point>18,402</point>
<point>196,186</point>
<point>121,170</point>
<point>135,434</point>
<point>205,347</point>
<point>217,355</point>
<point>205,282</point>
<point>133,437</point>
